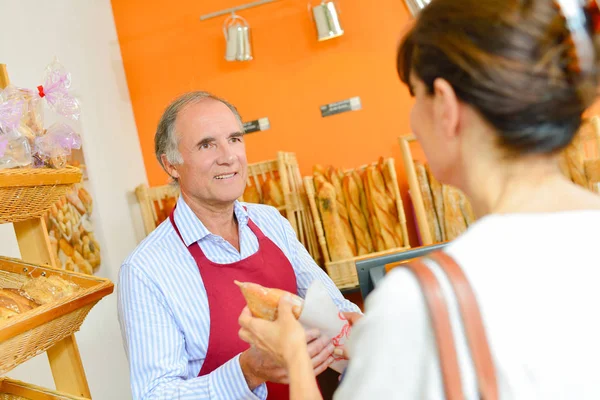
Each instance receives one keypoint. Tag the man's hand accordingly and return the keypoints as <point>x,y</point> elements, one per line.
<point>276,344</point>
<point>258,366</point>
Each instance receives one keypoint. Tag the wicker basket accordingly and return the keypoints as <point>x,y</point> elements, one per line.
<point>11,389</point>
<point>343,272</point>
<point>27,193</point>
<point>285,169</point>
<point>156,203</point>
<point>26,335</point>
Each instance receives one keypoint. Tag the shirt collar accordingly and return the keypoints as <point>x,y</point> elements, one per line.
<point>192,229</point>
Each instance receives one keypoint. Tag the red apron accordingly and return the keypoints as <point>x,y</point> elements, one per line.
<point>268,267</point>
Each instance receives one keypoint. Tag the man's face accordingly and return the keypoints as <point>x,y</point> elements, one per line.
<point>211,143</point>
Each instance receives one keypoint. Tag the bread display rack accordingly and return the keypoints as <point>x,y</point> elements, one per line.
<point>11,389</point>
<point>294,203</point>
<point>25,195</point>
<point>343,272</point>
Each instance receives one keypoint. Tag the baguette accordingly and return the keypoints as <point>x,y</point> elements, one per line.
<point>263,302</point>
<point>380,201</point>
<point>454,219</point>
<point>272,194</point>
<point>364,244</point>
<point>337,243</point>
<point>592,173</point>
<point>574,159</point>
<point>389,181</point>
<point>563,164</point>
<point>358,181</point>
<point>334,178</point>
<point>466,208</point>
<point>438,201</point>
<point>374,226</point>
<point>251,194</point>
<point>432,220</point>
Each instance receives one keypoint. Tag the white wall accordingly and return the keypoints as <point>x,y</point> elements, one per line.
<point>81,33</point>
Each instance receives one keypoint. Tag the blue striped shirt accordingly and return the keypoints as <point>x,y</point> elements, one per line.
<point>163,307</point>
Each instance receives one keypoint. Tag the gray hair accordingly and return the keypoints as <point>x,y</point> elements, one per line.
<point>166,141</point>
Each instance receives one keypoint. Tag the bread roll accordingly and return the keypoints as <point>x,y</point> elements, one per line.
<point>13,300</point>
<point>427,196</point>
<point>438,201</point>
<point>364,244</point>
<point>337,243</point>
<point>263,302</point>
<point>454,220</point>
<point>44,290</point>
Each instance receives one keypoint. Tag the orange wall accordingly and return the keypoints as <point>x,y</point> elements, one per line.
<point>167,50</point>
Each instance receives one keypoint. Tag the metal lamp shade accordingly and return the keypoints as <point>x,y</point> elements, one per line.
<point>414,6</point>
<point>327,21</point>
<point>237,37</point>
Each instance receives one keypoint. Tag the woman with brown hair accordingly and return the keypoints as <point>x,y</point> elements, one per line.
<point>500,88</point>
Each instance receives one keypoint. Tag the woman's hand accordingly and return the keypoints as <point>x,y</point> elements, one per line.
<point>341,351</point>
<point>285,339</point>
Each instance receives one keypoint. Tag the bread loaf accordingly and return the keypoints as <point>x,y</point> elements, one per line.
<point>364,244</point>
<point>454,220</point>
<point>466,208</point>
<point>342,208</point>
<point>592,173</point>
<point>374,226</point>
<point>564,165</point>
<point>14,300</point>
<point>574,158</point>
<point>438,201</point>
<point>263,302</point>
<point>381,209</point>
<point>358,181</point>
<point>272,194</point>
<point>427,196</point>
<point>337,243</point>
<point>389,182</point>
<point>251,194</point>
<point>44,290</point>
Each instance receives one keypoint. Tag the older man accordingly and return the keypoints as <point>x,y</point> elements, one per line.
<point>178,305</point>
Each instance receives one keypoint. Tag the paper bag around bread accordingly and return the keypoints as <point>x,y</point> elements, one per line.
<point>263,302</point>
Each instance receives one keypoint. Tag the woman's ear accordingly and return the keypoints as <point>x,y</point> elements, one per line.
<point>446,108</point>
<point>171,169</point>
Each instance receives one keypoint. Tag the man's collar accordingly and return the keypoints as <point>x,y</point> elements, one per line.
<point>192,229</point>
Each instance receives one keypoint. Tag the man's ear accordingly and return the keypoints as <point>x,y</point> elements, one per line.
<point>446,108</point>
<point>171,169</point>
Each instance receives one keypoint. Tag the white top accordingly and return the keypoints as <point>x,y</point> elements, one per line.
<point>536,279</point>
